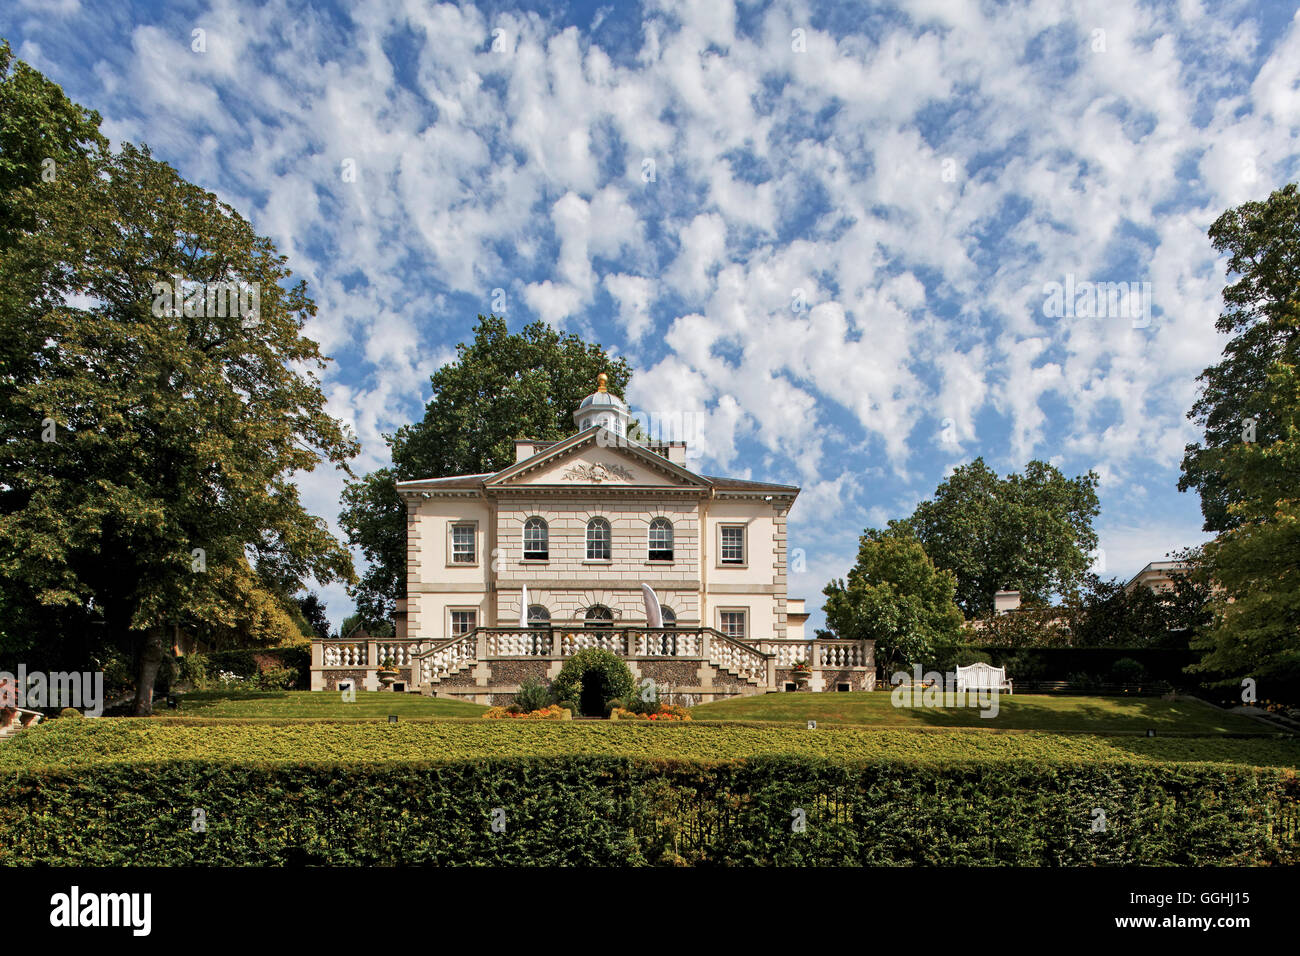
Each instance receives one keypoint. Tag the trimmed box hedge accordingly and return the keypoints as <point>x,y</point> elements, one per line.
<point>126,793</point>
<point>584,810</point>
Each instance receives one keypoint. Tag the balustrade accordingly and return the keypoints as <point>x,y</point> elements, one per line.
<point>669,642</point>
<point>450,658</point>
<point>597,637</point>
<point>516,642</point>
<point>731,655</point>
<point>847,654</point>
<point>401,654</point>
<point>345,655</point>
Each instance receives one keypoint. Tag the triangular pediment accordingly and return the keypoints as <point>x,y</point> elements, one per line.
<point>597,458</point>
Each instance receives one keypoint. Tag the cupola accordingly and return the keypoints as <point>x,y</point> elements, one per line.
<point>602,408</point>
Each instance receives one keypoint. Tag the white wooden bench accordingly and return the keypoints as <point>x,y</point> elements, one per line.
<point>983,677</point>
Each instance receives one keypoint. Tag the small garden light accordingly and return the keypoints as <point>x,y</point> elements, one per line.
<point>392,718</point>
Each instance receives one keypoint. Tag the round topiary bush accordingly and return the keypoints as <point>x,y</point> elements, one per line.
<point>69,712</point>
<point>591,678</point>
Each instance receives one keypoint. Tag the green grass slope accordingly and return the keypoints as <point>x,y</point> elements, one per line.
<point>1059,714</point>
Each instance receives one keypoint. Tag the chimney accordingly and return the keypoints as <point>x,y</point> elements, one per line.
<point>1004,601</point>
<point>523,449</point>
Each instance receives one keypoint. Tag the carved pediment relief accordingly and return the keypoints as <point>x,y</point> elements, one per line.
<point>598,472</point>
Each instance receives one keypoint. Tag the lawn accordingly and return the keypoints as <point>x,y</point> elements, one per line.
<point>71,742</point>
<point>1058,714</point>
<point>317,705</point>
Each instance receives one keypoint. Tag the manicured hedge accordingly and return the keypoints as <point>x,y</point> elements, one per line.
<point>1060,663</point>
<point>121,792</point>
<point>84,743</point>
<point>601,810</point>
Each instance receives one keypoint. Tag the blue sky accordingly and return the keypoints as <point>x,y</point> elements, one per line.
<point>823,234</point>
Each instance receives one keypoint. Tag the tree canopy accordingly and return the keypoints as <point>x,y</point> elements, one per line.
<point>1030,532</point>
<point>1247,467</point>
<point>149,429</point>
<point>1239,403</point>
<point>895,596</point>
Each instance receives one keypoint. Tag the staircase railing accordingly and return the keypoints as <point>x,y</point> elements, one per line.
<point>701,643</point>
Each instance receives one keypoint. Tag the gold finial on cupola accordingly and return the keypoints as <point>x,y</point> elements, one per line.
<point>601,381</point>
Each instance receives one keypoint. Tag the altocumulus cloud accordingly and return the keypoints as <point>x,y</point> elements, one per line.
<point>825,230</point>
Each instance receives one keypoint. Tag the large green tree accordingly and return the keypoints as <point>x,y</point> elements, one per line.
<point>894,595</point>
<point>1247,466</point>
<point>147,447</point>
<point>1030,532</point>
<point>1255,564</point>
<point>1236,403</point>
<point>502,386</point>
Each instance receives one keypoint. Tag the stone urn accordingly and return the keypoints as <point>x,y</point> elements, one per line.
<point>802,674</point>
<point>387,673</point>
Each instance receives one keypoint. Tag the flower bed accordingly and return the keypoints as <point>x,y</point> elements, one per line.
<point>665,713</point>
<point>554,712</point>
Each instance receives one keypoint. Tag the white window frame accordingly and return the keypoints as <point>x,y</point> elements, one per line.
<point>744,546</point>
<point>546,539</point>
<point>451,543</point>
<point>592,525</point>
<point>671,539</point>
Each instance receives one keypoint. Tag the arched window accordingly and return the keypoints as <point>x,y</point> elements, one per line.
<point>537,540</point>
<point>599,616</point>
<point>538,616</point>
<point>669,615</point>
<point>661,540</point>
<point>598,546</point>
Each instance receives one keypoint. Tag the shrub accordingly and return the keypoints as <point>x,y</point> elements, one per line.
<point>194,671</point>
<point>533,694</point>
<point>1127,671</point>
<point>1084,682</point>
<point>69,712</point>
<point>616,810</point>
<point>277,678</point>
<point>593,678</point>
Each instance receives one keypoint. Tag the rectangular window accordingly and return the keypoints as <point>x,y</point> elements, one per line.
<point>598,540</point>
<point>661,540</point>
<point>537,536</point>
<point>733,544</point>
<point>462,544</point>
<point>462,622</point>
<point>732,624</point>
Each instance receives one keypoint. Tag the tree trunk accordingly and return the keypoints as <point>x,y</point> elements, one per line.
<point>151,655</point>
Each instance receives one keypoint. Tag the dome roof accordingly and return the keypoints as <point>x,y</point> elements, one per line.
<point>600,398</point>
<point>603,399</point>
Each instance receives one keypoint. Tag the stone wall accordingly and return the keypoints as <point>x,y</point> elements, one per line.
<point>332,677</point>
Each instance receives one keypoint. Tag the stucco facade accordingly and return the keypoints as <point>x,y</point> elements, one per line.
<point>579,526</point>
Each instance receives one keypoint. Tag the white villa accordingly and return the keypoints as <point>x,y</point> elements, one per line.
<point>510,573</point>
